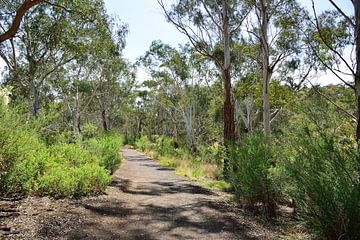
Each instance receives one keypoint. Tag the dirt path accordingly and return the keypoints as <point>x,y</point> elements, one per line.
<point>144,201</point>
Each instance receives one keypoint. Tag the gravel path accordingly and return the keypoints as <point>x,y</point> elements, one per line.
<point>144,201</point>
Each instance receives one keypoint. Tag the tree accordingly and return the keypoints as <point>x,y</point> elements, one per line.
<point>25,6</point>
<point>211,26</point>
<point>52,37</point>
<point>276,25</point>
<point>332,35</point>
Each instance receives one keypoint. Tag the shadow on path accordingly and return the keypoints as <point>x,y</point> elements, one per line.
<point>146,201</point>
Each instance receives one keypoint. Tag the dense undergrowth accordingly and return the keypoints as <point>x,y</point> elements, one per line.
<point>59,165</point>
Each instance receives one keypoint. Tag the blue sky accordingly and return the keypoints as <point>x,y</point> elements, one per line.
<point>147,22</point>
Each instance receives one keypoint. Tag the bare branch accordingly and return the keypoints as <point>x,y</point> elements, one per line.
<point>342,13</point>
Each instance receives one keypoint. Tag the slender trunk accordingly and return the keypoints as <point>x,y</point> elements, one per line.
<point>175,134</point>
<point>229,124</point>
<point>357,72</point>
<point>188,119</point>
<point>138,127</point>
<point>103,114</point>
<point>104,120</point>
<point>266,70</point>
<point>76,115</point>
<point>36,102</point>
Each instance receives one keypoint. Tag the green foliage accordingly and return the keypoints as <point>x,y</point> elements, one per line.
<point>143,143</point>
<point>325,179</point>
<point>107,148</point>
<point>28,165</point>
<point>249,173</point>
<point>66,181</point>
<point>89,131</point>
<point>165,146</point>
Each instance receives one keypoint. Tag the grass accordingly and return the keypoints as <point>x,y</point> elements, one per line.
<point>206,174</point>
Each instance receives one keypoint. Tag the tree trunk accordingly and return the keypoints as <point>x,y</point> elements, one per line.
<point>104,120</point>
<point>36,102</point>
<point>266,70</point>
<point>76,115</point>
<point>229,124</point>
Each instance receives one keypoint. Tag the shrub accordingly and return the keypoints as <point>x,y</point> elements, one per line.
<point>65,181</point>
<point>28,165</point>
<point>89,131</point>
<point>325,176</point>
<point>143,143</point>
<point>107,149</point>
<point>165,146</point>
<point>249,173</point>
<point>18,144</point>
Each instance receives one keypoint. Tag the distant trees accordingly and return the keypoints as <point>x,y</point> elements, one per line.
<point>68,52</point>
<point>211,27</point>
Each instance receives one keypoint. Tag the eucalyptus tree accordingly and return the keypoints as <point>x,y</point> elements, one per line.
<point>211,26</point>
<point>275,24</point>
<point>175,80</point>
<point>51,37</point>
<point>92,82</point>
<point>8,30</point>
<point>333,39</point>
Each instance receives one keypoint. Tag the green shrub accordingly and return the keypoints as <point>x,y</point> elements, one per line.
<point>89,131</point>
<point>18,147</point>
<point>28,165</point>
<point>64,181</point>
<point>107,149</point>
<point>165,146</point>
<point>325,177</point>
<point>249,173</point>
<point>143,143</point>
<point>24,173</point>
<point>214,153</point>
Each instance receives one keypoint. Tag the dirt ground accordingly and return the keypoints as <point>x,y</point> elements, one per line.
<point>144,201</point>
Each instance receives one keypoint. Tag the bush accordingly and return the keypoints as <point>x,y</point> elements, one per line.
<point>28,165</point>
<point>89,131</point>
<point>18,144</point>
<point>165,146</point>
<point>65,181</point>
<point>107,149</point>
<point>143,143</point>
<point>325,176</point>
<point>250,173</point>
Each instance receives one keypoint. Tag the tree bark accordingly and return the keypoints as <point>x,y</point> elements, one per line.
<point>17,20</point>
<point>76,114</point>
<point>104,120</point>
<point>266,69</point>
<point>36,102</point>
<point>229,124</point>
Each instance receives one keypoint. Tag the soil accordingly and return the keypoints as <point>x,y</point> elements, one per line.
<point>144,201</point>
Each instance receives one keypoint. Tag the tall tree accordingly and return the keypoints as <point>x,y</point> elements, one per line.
<point>276,25</point>
<point>211,26</point>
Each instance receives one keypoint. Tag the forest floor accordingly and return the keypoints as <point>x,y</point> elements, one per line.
<point>144,201</point>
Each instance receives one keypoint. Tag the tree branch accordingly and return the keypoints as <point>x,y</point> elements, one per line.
<point>17,20</point>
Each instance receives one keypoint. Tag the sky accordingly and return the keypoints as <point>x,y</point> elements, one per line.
<point>147,23</point>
